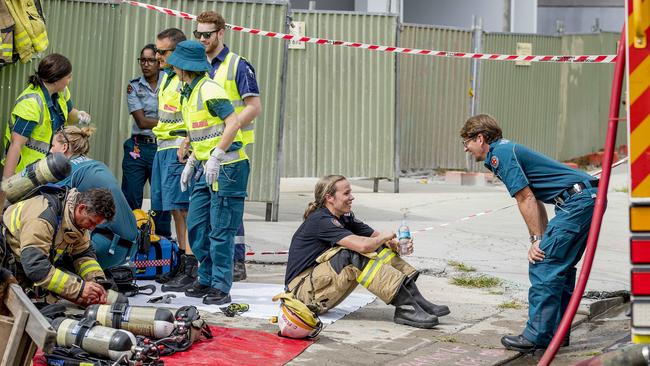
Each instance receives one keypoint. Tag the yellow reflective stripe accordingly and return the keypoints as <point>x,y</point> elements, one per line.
<point>59,253</point>
<point>388,257</point>
<point>15,216</point>
<point>365,271</point>
<point>371,269</point>
<point>57,283</point>
<point>372,274</point>
<point>89,266</point>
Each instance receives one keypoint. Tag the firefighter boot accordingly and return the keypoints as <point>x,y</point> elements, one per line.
<point>186,279</point>
<point>239,271</point>
<point>173,274</point>
<point>426,305</point>
<point>408,312</point>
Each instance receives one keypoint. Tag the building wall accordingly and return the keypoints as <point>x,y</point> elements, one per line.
<point>456,13</point>
<point>580,19</point>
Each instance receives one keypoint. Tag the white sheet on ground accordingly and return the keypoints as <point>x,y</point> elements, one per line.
<point>257,295</point>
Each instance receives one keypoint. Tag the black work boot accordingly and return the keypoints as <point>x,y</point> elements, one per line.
<point>166,277</point>
<point>184,281</point>
<point>408,312</point>
<point>239,271</point>
<point>519,343</point>
<point>426,305</point>
<point>197,290</point>
<point>216,297</point>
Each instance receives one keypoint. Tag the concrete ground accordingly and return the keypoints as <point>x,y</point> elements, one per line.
<point>494,244</point>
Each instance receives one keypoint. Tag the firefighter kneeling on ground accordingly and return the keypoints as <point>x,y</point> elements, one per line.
<point>333,251</point>
<point>41,230</point>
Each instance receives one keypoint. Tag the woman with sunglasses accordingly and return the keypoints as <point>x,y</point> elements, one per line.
<point>140,148</point>
<point>217,198</point>
<point>114,241</point>
<point>40,109</point>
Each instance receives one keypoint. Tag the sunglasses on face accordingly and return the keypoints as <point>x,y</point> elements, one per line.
<point>61,130</point>
<point>150,61</point>
<point>162,52</point>
<point>206,35</point>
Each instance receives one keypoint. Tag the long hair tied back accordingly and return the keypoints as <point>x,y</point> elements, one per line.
<point>325,186</point>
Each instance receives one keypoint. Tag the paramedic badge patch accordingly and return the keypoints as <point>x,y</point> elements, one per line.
<point>494,161</point>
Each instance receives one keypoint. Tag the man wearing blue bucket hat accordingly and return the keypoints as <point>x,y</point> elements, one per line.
<point>217,199</point>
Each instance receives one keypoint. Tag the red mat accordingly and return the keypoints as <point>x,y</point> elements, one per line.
<point>231,346</point>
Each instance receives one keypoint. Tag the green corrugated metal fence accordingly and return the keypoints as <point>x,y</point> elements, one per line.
<point>433,98</point>
<point>103,41</point>
<point>340,101</point>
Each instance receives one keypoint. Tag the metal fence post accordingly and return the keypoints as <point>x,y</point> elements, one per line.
<point>397,138</point>
<point>477,34</point>
<point>273,208</point>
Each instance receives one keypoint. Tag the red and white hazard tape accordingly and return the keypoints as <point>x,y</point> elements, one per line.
<point>602,59</point>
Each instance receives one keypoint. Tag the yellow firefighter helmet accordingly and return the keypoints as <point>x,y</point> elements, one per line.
<point>296,320</point>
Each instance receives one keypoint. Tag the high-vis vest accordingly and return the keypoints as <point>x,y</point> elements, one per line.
<point>204,129</point>
<point>225,76</point>
<point>170,116</point>
<point>31,105</point>
<point>29,33</point>
<point>6,34</point>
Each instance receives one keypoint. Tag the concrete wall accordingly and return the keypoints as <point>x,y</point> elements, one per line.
<point>340,5</point>
<point>580,20</point>
<point>523,16</point>
<point>456,13</point>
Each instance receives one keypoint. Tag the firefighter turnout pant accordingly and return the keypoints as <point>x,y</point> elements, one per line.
<point>340,270</point>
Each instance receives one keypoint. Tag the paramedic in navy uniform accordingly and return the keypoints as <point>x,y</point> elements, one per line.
<point>534,179</point>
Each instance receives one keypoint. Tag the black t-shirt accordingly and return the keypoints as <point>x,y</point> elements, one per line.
<point>318,233</point>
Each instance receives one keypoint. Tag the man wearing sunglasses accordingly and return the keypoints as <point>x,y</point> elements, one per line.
<point>140,148</point>
<point>237,76</point>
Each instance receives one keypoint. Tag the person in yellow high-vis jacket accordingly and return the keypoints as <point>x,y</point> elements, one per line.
<point>41,109</point>
<point>333,251</point>
<point>237,76</point>
<point>217,198</point>
<point>7,26</point>
<point>30,35</point>
<point>39,231</point>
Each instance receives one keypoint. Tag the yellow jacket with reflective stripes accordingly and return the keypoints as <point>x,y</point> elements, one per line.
<point>30,35</point>
<point>170,116</point>
<point>31,105</point>
<point>6,34</point>
<point>37,245</point>
<point>225,76</point>
<point>204,129</point>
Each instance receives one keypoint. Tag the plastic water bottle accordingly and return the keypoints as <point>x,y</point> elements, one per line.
<point>404,236</point>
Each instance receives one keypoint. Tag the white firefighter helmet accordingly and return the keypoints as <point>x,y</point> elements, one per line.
<point>296,320</point>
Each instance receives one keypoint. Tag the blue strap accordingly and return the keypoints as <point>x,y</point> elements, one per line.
<point>116,239</point>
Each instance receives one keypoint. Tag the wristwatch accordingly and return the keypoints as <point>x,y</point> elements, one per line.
<point>534,238</point>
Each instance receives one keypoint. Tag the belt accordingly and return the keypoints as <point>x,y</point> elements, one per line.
<point>576,188</point>
<point>144,139</point>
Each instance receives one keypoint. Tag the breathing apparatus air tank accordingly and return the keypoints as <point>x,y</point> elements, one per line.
<point>53,168</point>
<point>95,339</point>
<point>140,320</point>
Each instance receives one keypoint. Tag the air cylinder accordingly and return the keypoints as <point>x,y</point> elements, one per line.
<point>95,339</point>
<point>53,168</point>
<point>140,320</point>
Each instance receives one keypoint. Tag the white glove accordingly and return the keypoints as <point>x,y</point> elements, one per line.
<point>84,117</point>
<point>187,172</point>
<point>213,164</point>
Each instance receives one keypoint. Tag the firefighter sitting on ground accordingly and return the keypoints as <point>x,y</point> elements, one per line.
<point>41,229</point>
<point>332,251</point>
